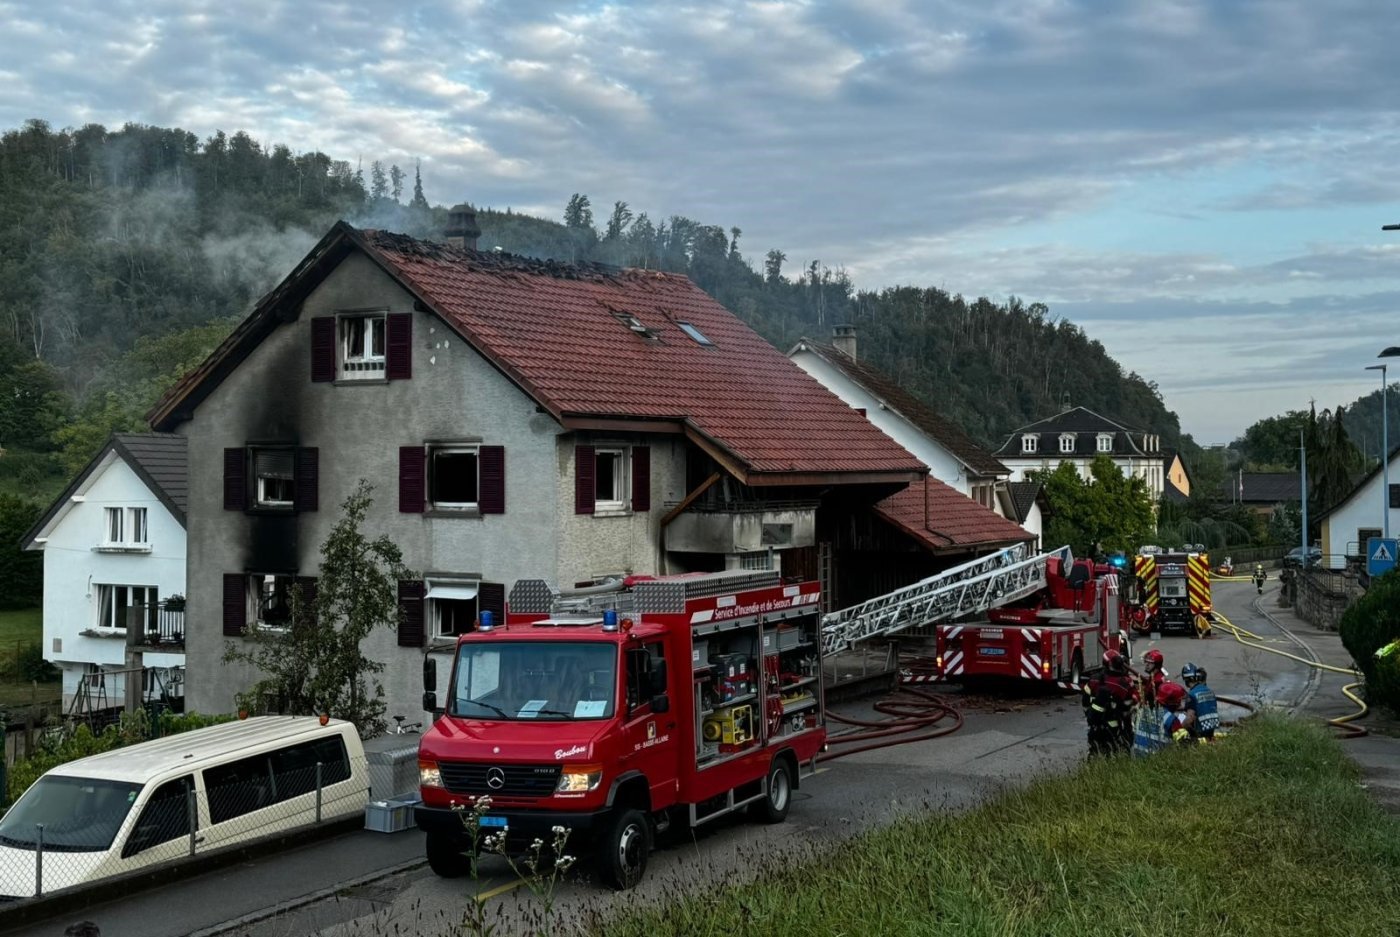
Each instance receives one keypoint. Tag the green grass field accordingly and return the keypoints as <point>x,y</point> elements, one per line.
<point>17,629</point>
<point>1266,833</point>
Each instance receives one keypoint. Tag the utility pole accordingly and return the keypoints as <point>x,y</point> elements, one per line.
<point>1303,480</point>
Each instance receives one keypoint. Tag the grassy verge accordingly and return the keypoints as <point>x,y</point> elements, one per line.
<point>1267,833</point>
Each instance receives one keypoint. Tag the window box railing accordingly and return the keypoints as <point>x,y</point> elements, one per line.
<point>164,624</point>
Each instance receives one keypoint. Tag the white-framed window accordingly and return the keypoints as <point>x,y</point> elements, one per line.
<point>694,333</point>
<point>362,345</point>
<point>1105,442</point>
<point>452,606</point>
<point>610,480</point>
<point>119,604</point>
<point>1066,442</point>
<point>274,471</point>
<point>124,527</point>
<point>454,478</point>
<point>1029,442</point>
<point>270,600</point>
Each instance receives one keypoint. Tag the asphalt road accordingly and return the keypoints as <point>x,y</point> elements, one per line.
<point>368,883</point>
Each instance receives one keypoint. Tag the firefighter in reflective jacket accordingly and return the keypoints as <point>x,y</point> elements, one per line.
<point>1153,673</point>
<point>1108,704</point>
<point>1259,577</point>
<point>1200,702</point>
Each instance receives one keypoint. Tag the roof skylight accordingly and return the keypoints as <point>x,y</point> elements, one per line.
<point>694,333</point>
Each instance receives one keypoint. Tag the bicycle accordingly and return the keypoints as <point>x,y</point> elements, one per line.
<point>402,728</point>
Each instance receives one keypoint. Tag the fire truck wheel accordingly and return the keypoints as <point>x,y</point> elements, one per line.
<point>445,856</point>
<point>626,849</point>
<point>774,807</point>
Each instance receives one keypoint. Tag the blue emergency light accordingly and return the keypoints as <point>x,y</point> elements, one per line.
<point>609,619</point>
<point>1118,560</point>
<point>486,621</point>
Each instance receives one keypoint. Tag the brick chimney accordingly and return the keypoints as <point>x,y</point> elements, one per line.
<point>461,230</point>
<point>844,338</point>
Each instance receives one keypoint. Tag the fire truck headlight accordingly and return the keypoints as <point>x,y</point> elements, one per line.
<point>429,775</point>
<point>579,779</point>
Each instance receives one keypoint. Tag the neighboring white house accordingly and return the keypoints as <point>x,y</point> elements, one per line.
<point>1078,436</point>
<point>1347,525</point>
<point>952,456</point>
<point>114,552</point>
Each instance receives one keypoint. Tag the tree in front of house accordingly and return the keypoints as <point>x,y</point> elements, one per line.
<point>317,664</point>
<point>1108,511</point>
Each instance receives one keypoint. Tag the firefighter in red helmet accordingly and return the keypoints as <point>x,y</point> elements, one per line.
<point>1108,704</point>
<point>1154,672</point>
<point>1176,718</point>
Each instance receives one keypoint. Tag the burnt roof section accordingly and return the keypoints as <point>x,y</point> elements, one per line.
<point>559,332</point>
<point>158,459</point>
<point>943,431</point>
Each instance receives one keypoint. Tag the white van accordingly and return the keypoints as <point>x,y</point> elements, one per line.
<point>180,796</point>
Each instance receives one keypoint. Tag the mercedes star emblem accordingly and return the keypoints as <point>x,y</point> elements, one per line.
<point>495,779</point>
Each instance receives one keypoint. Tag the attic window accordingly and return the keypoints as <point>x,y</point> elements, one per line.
<point>1066,442</point>
<point>1105,442</point>
<point>694,333</point>
<point>1028,442</point>
<point>633,323</point>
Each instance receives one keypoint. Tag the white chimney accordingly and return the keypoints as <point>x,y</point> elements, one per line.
<point>843,337</point>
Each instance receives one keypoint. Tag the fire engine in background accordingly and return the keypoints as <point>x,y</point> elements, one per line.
<point>1173,587</point>
<point>1053,635</point>
<point>618,710</point>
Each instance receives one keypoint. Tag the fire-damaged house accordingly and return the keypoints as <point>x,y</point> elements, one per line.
<point>517,419</point>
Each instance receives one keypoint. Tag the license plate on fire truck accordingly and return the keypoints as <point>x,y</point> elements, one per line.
<point>992,651</point>
<point>492,821</point>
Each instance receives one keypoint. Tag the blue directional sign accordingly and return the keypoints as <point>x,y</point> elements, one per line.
<point>1380,555</point>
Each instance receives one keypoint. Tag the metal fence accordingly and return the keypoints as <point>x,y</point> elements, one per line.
<point>68,831</point>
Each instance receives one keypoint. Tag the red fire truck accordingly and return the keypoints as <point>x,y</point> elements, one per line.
<point>1052,635</point>
<point>620,709</point>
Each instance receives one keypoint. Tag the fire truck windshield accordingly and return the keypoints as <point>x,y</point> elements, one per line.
<point>536,680</point>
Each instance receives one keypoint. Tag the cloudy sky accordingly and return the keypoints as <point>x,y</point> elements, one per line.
<point>1200,185</point>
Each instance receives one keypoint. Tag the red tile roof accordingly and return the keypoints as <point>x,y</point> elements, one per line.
<point>945,520</point>
<point>557,330</point>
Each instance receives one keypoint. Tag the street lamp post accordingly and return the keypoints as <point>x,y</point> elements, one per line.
<point>1391,352</point>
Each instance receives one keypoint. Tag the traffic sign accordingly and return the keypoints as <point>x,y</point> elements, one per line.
<point>1380,555</point>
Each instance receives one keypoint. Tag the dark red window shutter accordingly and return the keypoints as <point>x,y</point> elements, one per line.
<point>585,479</point>
<point>491,597</point>
<point>399,347</point>
<point>410,613</point>
<point>308,482</point>
<point>492,497</point>
<point>235,604</point>
<point>235,480</point>
<point>323,348</point>
<point>411,491</point>
<point>641,478</point>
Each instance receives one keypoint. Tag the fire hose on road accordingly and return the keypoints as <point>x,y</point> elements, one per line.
<point>914,716</point>
<point>1342,723</point>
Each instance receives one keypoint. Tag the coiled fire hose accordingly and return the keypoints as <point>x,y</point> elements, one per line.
<point>914,716</point>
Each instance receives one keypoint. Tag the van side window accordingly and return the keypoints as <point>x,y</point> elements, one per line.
<point>165,817</point>
<point>259,781</point>
<point>294,769</point>
<point>238,787</point>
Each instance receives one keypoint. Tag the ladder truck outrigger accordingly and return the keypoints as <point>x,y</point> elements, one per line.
<point>1049,617</point>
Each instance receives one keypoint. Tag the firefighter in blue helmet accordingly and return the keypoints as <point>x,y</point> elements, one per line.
<point>1201,703</point>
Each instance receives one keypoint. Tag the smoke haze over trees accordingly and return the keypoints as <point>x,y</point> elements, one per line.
<point>127,254</point>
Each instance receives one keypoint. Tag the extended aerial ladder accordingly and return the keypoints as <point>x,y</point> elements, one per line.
<point>969,589</point>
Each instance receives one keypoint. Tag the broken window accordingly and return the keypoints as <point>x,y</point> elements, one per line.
<point>275,470</point>
<point>453,477</point>
<point>610,476</point>
<point>362,346</point>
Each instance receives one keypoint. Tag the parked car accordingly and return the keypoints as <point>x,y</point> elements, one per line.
<point>1293,558</point>
<point>180,796</point>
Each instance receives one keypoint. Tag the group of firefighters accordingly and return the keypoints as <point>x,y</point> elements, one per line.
<point>1144,712</point>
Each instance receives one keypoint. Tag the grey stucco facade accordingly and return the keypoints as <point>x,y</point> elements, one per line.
<point>454,395</point>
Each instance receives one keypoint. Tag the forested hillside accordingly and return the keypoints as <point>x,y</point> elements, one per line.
<point>125,255</point>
